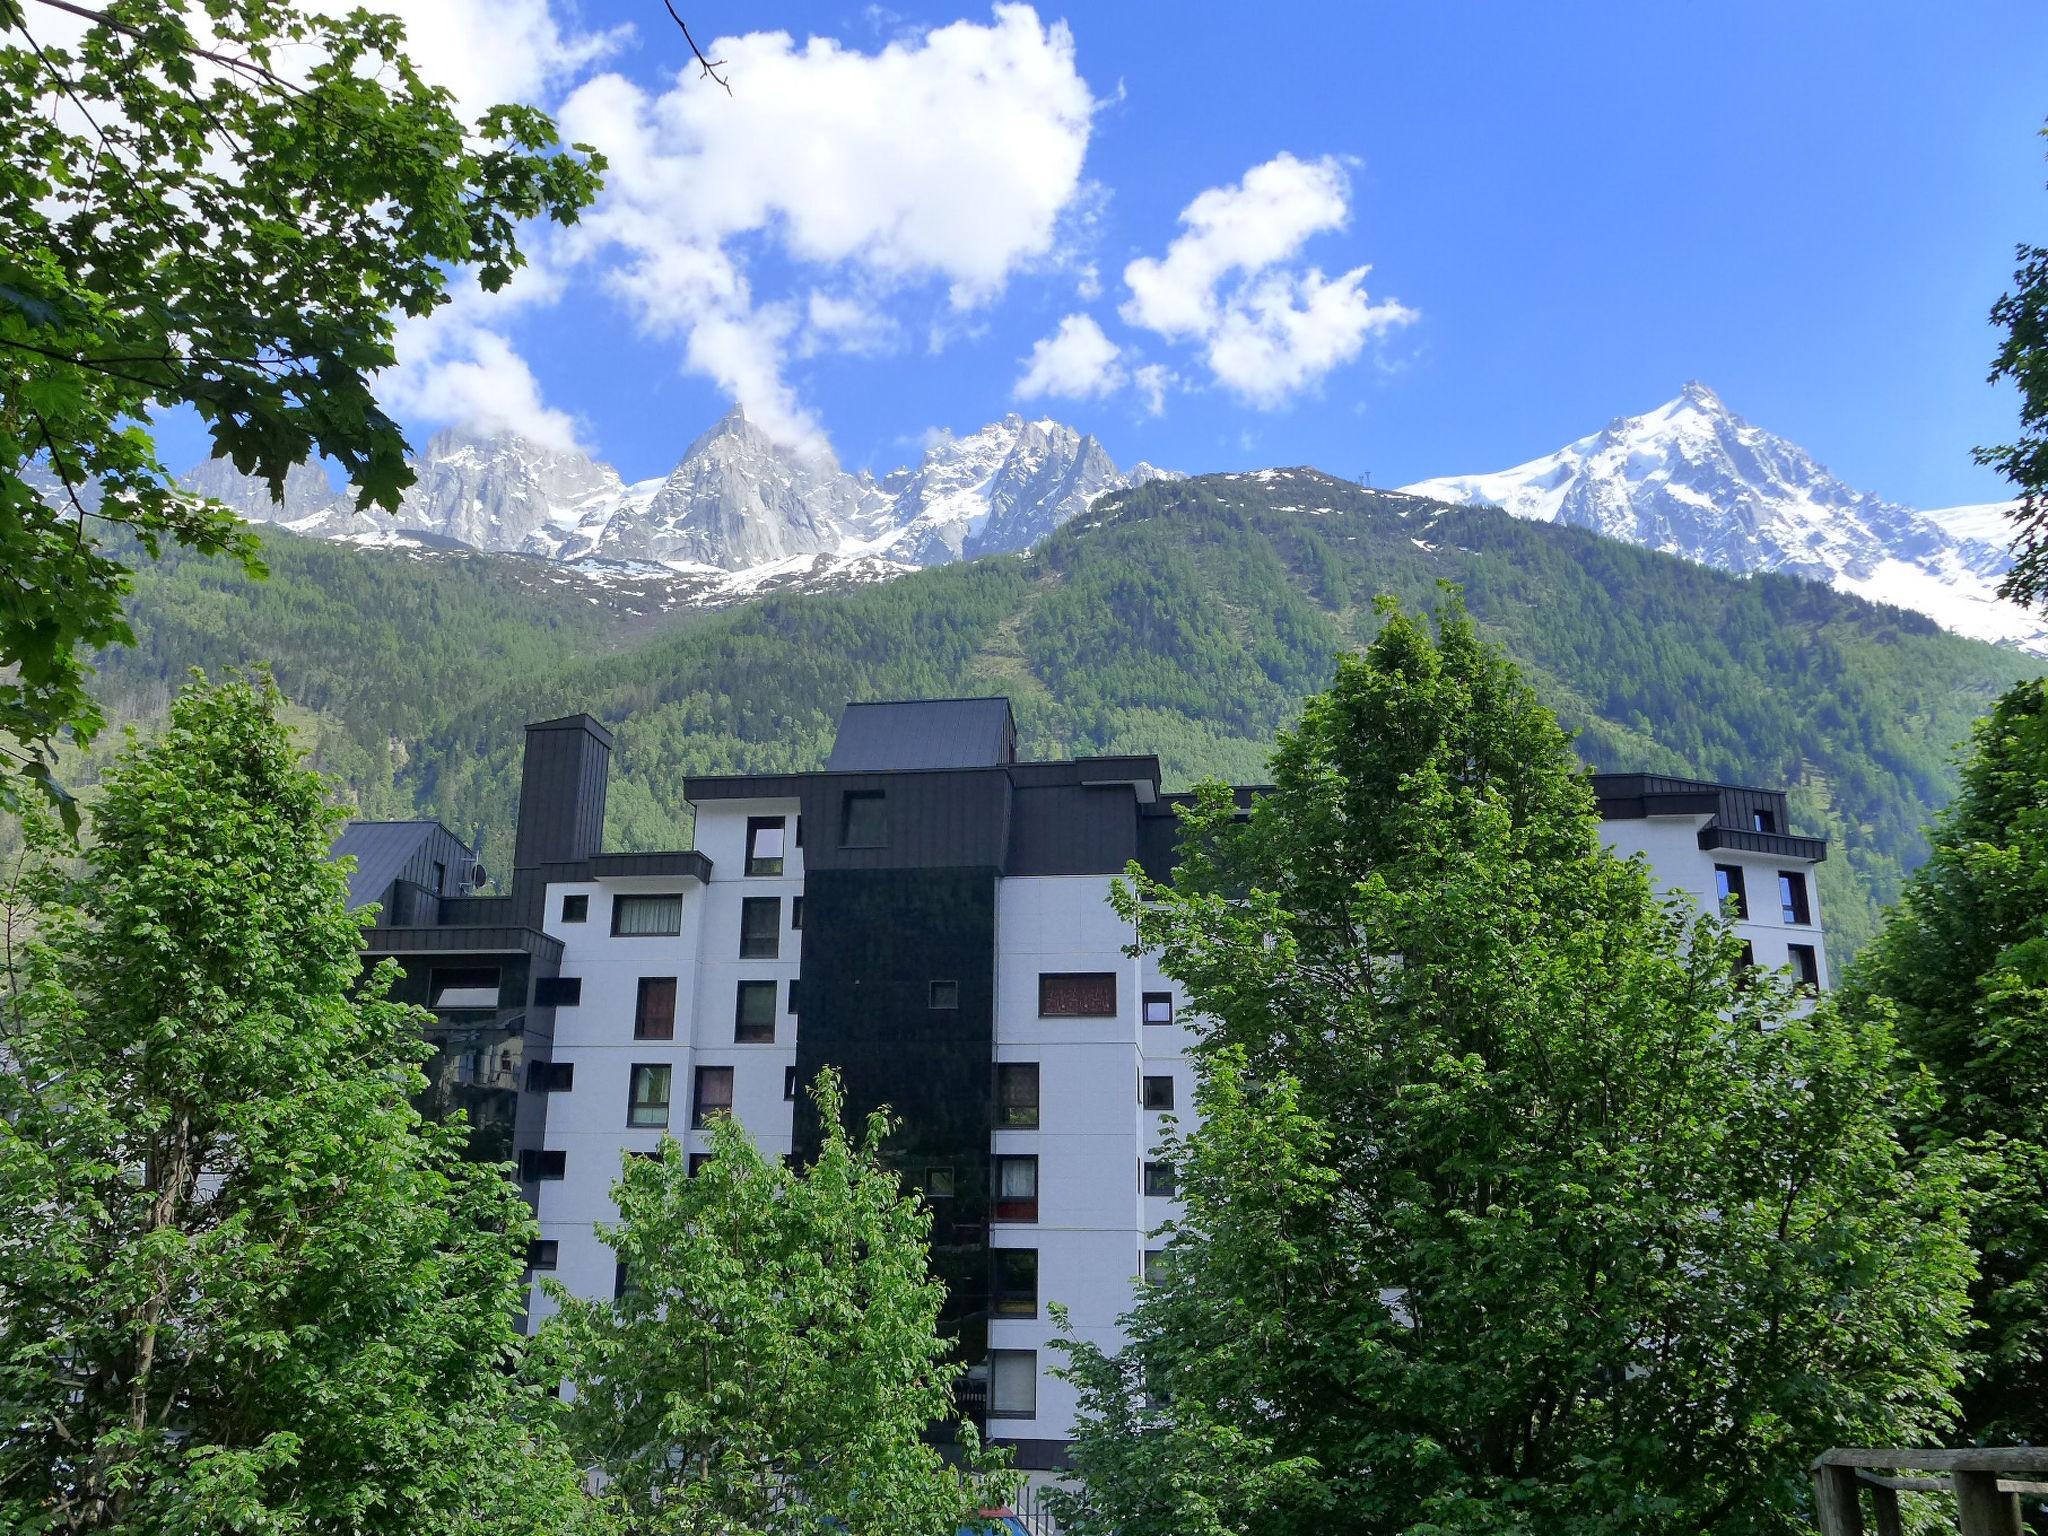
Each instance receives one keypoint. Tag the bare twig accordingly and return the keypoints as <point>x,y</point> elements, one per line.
<point>711,66</point>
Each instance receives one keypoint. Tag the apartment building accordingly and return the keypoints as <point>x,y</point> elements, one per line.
<point>929,915</point>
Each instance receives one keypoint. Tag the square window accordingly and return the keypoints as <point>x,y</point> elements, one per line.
<point>1156,1093</point>
<point>1017,1095</point>
<point>714,1095</point>
<point>543,1253</point>
<point>1154,1259</point>
<point>697,1161</point>
<point>464,986</point>
<point>789,1083</point>
<point>754,1014</point>
<point>1792,903</point>
<point>863,819</point>
<point>576,907</point>
<point>940,1183</point>
<point>1763,821</point>
<point>1806,965</point>
<point>760,927</point>
<point>1158,1007</point>
<point>550,1076</point>
<point>1728,887</point>
<point>557,991</point>
<point>796,914</point>
<point>943,994</point>
<point>535,1164</point>
<point>1013,1383</point>
<point>1159,1181</point>
<point>654,1012</point>
<point>764,845</point>
<point>1013,1284</point>
<point>1077,995</point>
<point>1016,1181</point>
<point>647,1098</point>
<point>647,917</point>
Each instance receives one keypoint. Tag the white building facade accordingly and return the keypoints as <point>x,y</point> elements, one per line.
<point>929,916</point>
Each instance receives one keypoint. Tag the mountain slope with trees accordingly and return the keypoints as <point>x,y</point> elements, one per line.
<point>1190,618</point>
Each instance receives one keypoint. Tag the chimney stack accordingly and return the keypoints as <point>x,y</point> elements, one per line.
<point>561,791</point>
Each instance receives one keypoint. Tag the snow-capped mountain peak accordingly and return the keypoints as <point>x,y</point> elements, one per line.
<point>1692,478</point>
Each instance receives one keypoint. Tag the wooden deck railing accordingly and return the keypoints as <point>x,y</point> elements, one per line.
<point>1988,1485</point>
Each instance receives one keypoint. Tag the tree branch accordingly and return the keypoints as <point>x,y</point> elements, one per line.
<point>711,66</point>
<point>226,61</point>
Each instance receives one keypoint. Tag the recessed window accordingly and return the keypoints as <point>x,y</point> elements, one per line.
<point>697,1161</point>
<point>764,845</point>
<point>864,819</point>
<point>1016,1182</point>
<point>1155,1259</point>
<point>1158,1007</point>
<point>1013,1383</point>
<point>1792,903</point>
<point>654,1013</point>
<point>792,997</point>
<point>943,994</point>
<point>647,917</point>
<point>796,914</point>
<point>543,1253</point>
<point>1013,1283</point>
<point>1805,965</point>
<point>620,1284</point>
<point>940,1183</point>
<point>550,1076</point>
<point>1157,1093</point>
<point>1159,1180</point>
<point>1728,887</point>
<point>557,991</point>
<point>753,1021</point>
<point>647,1100</point>
<point>465,986</point>
<point>1077,995</point>
<point>440,878</point>
<point>1017,1095</point>
<point>789,1083</point>
<point>535,1164</point>
<point>1745,963</point>
<point>760,927</point>
<point>713,1097</point>
<point>1763,821</point>
<point>576,907</point>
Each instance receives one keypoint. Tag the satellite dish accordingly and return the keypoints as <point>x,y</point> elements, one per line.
<point>479,877</point>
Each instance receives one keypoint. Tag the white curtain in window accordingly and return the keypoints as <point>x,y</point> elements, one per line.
<point>640,916</point>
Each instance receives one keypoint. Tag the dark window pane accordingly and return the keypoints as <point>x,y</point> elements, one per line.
<point>764,845</point>
<point>940,1183</point>
<point>864,819</point>
<point>1763,821</point>
<point>1077,994</point>
<point>1158,1007</point>
<point>754,1013</point>
<point>714,1095</point>
<point>1017,1095</point>
<point>537,1164</point>
<point>576,907</point>
<point>760,927</point>
<point>1728,887</point>
<point>796,914</point>
<point>543,1253</point>
<point>1013,1286</point>
<point>654,1015</point>
<point>640,917</point>
<point>557,991</point>
<point>1158,1093</point>
<point>1159,1180</point>
<point>465,986</point>
<point>789,1082</point>
<point>945,994</point>
<point>550,1076</point>
<point>620,1285</point>
<point>647,1101</point>
<point>1792,903</point>
<point>1806,964</point>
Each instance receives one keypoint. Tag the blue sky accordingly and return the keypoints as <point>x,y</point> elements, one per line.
<point>1567,212</point>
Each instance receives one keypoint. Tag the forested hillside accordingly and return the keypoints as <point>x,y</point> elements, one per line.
<point>1185,618</point>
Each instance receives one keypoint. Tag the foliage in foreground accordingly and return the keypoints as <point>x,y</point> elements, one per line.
<point>774,1357</point>
<point>1518,1203</point>
<point>1963,962</point>
<point>242,1286</point>
<point>2023,359</point>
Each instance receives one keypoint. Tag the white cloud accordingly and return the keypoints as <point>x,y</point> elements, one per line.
<point>944,158</point>
<point>838,322</point>
<point>1076,362</point>
<point>1152,381</point>
<point>491,51</point>
<point>1267,332</point>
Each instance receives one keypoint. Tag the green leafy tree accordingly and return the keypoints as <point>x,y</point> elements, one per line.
<point>2023,358</point>
<point>1517,1202</point>
<point>231,220</point>
<point>773,1360</point>
<point>1963,962</point>
<point>242,1286</point>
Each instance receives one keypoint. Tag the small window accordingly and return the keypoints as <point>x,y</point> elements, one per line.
<point>543,1253</point>
<point>943,994</point>
<point>1745,963</point>
<point>789,1083</point>
<point>753,1020</point>
<point>535,1164</point>
<point>1158,1007</point>
<point>1763,821</point>
<point>764,845</point>
<point>557,991</point>
<point>647,917</point>
<point>796,914</point>
<point>714,1095</point>
<point>1157,1093</point>
<point>1016,1181</point>
<point>792,997</point>
<point>1013,1383</point>
<point>1159,1181</point>
<point>647,1100</point>
<point>697,1161</point>
<point>940,1183</point>
<point>620,1284</point>
<point>1155,1259</point>
<point>760,927</point>
<point>864,819</point>
<point>1806,965</point>
<point>1728,887</point>
<point>1017,1095</point>
<point>550,1076</point>
<point>1013,1285</point>
<point>1792,902</point>
<point>1077,995</point>
<point>465,986</point>
<point>654,1014</point>
<point>576,907</point>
